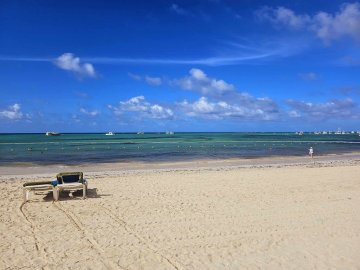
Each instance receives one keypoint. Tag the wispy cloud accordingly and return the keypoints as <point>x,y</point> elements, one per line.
<point>350,61</point>
<point>66,61</point>
<point>348,90</point>
<point>178,10</point>
<point>211,61</point>
<point>326,26</point>
<point>24,59</point>
<point>334,109</point>
<point>69,62</point>
<point>135,77</point>
<point>346,22</point>
<point>88,70</point>
<point>153,81</point>
<point>283,16</point>
<point>81,94</point>
<point>89,113</point>
<point>310,76</point>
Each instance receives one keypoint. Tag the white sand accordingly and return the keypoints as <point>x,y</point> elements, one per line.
<point>287,217</point>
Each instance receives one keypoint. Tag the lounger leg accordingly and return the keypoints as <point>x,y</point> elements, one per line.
<point>84,191</point>
<point>56,194</point>
<point>26,195</point>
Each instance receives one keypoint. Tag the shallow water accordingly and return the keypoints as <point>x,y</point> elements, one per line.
<point>96,147</point>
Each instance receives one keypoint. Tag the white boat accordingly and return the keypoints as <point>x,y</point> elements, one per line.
<point>110,133</point>
<point>51,133</point>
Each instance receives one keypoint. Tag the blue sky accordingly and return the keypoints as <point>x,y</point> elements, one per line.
<point>207,65</point>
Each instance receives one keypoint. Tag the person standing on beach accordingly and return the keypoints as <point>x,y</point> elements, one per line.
<point>311,152</point>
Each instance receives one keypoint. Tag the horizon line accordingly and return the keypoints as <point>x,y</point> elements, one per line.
<point>163,132</point>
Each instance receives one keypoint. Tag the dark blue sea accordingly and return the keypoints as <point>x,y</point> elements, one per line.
<point>152,147</point>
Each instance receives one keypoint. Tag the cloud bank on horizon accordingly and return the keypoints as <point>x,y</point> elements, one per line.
<point>161,84</point>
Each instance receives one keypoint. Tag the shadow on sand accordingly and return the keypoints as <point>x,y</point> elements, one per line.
<point>92,193</point>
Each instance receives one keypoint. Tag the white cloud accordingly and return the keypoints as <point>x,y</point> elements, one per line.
<point>159,112</point>
<point>203,108</point>
<point>346,22</point>
<point>284,16</point>
<point>69,62</point>
<point>199,82</point>
<point>143,108</point>
<point>220,99</point>
<point>13,112</point>
<point>198,74</point>
<point>134,104</point>
<point>90,113</point>
<point>154,81</point>
<point>135,77</point>
<point>294,114</point>
<point>326,26</point>
<point>335,109</point>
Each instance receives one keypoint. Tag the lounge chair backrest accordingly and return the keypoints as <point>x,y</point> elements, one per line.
<point>70,177</point>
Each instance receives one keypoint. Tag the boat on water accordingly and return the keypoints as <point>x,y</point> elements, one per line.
<point>110,133</point>
<point>51,133</point>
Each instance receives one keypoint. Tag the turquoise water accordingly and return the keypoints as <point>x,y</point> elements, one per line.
<point>80,148</point>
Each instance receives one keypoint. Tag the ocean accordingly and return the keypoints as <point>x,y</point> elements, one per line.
<point>151,147</point>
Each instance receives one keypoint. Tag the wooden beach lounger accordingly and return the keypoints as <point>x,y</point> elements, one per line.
<point>39,186</point>
<point>71,181</point>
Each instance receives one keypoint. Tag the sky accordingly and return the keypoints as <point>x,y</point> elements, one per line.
<point>196,66</point>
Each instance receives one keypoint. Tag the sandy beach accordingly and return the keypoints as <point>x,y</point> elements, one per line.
<point>275,214</point>
<point>211,134</point>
